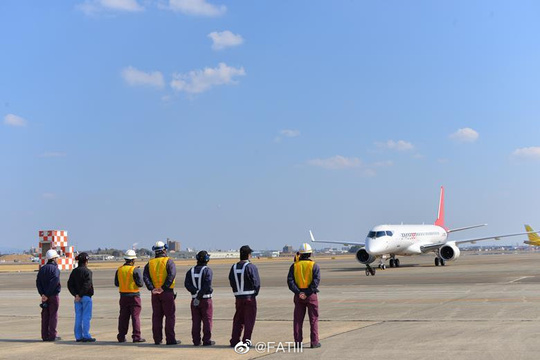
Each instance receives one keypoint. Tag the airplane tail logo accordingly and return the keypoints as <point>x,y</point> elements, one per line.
<point>534,238</point>
<point>440,214</point>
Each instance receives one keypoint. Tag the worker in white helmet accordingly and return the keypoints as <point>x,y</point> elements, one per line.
<point>159,276</point>
<point>128,279</point>
<point>48,286</point>
<point>303,280</point>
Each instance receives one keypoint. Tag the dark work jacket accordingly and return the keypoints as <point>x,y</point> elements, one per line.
<point>48,279</point>
<point>206,283</point>
<point>80,281</point>
<point>312,288</point>
<point>251,279</point>
<point>137,277</point>
<point>171,275</point>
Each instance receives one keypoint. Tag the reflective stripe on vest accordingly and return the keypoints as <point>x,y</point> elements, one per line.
<point>198,283</point>
<point>126,283</point>
<point>158,271</point>
<point>303,273</point>
<point>240,287</point>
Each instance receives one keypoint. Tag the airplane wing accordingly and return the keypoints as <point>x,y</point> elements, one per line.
<point>433,247</point>
<point>346,243</point>
<point>496,237</point>
<point>466,228</point>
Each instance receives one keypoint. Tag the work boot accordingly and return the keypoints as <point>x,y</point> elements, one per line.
<point>55,339</point>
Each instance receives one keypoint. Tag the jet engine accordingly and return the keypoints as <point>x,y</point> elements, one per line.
<point>364,257</point>
<point>449,252</point>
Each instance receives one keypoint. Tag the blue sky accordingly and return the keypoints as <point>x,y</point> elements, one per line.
<point>220,124</point>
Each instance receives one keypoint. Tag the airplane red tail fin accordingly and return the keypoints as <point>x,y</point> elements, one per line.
<point>440,214</point>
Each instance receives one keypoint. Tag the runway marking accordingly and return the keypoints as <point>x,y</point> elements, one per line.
<point>518,279</point>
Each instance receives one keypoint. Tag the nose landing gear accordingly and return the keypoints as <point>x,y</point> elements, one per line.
<point>370,270</point>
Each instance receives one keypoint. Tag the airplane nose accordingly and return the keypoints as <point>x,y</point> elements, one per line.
<point>370,246</point>
<point>374,247</point>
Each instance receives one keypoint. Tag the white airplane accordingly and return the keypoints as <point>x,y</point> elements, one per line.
<point>388,241</point>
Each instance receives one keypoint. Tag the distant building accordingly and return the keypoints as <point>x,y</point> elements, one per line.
<point>173,245</point>
<point>224,254</point>
<point>101,257</point>
<point>288,249</point>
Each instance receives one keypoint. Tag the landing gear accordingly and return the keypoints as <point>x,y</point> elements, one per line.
<point>370,271</point>
<point>394,262</point>
<point>382,266</point>
<point>440,261</point>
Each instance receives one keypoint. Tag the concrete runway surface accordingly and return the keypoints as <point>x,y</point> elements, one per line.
<point>480,307</point>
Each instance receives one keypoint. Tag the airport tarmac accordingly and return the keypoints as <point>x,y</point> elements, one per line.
<point>480,307</point>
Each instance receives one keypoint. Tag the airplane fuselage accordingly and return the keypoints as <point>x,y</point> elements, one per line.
<point>403,239</point>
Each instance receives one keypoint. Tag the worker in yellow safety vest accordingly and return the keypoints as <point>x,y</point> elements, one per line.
<point>303,280</point>
<point>128,279</point>
<point>159,276</point>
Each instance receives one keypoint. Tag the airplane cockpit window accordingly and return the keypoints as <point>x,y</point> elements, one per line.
<point>381,233</point>
<point>371,234</point>
<point>389,233</point>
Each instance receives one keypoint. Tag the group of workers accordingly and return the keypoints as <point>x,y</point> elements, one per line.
<point>159,277</point>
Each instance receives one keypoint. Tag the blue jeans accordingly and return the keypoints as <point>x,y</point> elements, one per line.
<point>83,315</point>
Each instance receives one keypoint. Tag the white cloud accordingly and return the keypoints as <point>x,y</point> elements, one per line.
<point>197,81</point>
<point>287,133</point>
<point>136,77</point>
<point>465,135</point>
<point>337,162</point>
<point>52,154</point>
<point>399,145</point>
<point>197,7</point>
<point>91,7</point>
<point>290,133</point>
<point>532,152</point>
<point>386,163</point>
<point>225,39</point>
<point>14,120</point>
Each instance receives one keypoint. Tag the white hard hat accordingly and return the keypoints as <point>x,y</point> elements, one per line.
<point>130,255</point>
<point>305,248</point>
<point>160,245</point>
<point>51,254</point>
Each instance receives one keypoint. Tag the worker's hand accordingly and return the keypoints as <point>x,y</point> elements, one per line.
<point>44,298</point>
<point>302,296</point>
<point>157,291</point>
<point>77,298</point>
